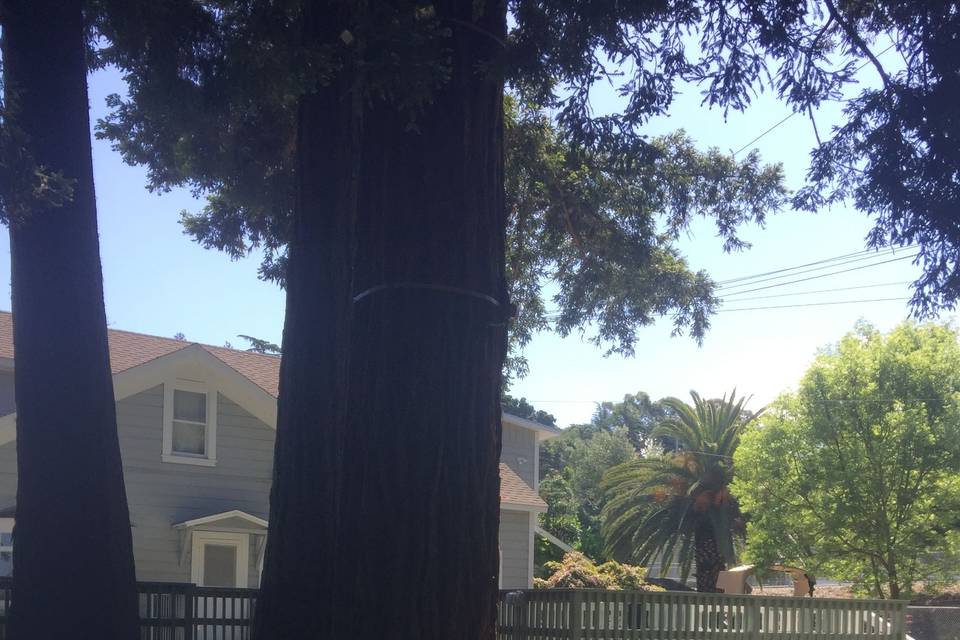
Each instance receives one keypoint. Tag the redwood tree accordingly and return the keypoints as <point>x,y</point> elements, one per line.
<point>73,561</point>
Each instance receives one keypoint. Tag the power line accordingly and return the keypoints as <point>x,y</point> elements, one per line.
<point>811,304</point>
<point>797,272</point>
<point>826,275</point>
<point>819,400</point>
<point>803,293</point>
<point>862,252</point>
<point>793,113</point>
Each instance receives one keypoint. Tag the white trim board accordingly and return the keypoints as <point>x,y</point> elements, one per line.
<point>219,517</point>
<point>552,539</point>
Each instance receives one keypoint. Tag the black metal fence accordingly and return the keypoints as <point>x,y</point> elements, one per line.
<point>178,611</point>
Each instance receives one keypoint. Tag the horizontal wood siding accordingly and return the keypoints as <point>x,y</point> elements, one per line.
<point>519,452</point>
<point>515,549</point>
<point>161,494</point>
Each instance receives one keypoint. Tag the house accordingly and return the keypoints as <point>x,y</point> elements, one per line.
<point>196,426</point>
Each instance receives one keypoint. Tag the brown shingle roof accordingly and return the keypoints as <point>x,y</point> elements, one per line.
<point>514,490</point>
<point>128,350</point>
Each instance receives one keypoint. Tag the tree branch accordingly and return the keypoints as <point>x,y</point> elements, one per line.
<point>858,42</point>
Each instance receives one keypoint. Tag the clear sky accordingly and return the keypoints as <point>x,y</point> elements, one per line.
<point>158,281</point>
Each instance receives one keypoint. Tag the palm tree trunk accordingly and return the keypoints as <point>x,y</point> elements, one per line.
<point>708,558</point>
<point>73,560</point>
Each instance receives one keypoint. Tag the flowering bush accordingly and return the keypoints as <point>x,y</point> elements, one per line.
<point>577,571</point>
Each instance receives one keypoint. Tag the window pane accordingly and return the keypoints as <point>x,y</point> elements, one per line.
<point>189,438</point>
<point>188,405</point>
<point>219,565</point>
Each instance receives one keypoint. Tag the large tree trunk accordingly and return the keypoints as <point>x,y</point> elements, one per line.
<point>73,559</point>
<point>709,561</point>
<point>421,502</point>
<point>299,587</point>
<point>385,511</point>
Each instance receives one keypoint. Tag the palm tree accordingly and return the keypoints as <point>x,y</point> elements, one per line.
<point>679,504</point>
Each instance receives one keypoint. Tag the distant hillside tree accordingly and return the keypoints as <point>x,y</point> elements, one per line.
<point>523,409</point>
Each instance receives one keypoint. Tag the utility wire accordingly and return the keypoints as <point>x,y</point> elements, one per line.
<point>810,304</point>
<point>819,400</point>
<point>826,275</point>
<point>793,113</point>
<point>803,293</point>
<point>845,256</point>
<point>810,270</point>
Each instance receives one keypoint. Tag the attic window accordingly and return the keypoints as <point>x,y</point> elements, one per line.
<point>189,423</point>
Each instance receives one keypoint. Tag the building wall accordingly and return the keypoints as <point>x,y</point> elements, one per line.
<point>161,494</point>
<point>6,393</point>
<point>515,537</point>
<point>519,452</point>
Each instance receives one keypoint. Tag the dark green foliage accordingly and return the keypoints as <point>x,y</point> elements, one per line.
<point>259,345</point>
<point>678,505</point>
<point>562,519</point>
<point>639,415</point>
<point>523,409</point>
<point>218,117</point>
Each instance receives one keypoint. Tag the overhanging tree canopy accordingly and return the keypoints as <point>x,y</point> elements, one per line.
<point>397,237</point>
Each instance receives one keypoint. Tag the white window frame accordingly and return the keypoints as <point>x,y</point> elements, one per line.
<point>168,454</point>
<point>241,541</point>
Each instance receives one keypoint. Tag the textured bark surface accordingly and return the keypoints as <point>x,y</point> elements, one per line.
<point>73,558</point>
<point>299,587</point>
<point>421,506</point>
<point>385,512</point>
<point>709,561</point>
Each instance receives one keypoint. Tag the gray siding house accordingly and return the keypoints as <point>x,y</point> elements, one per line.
<point>196,425</point>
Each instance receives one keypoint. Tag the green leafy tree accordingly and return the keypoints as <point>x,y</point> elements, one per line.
<point>856,474</point>
<point>638,414</point>
<point>523,409</point>
<point>562,518</point>
<point>589,461</point>
<point>73,559</point>
<point>680,505</point>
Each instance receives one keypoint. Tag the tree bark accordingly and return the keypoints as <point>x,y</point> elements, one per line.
<point>73,559</point>
<point>385,505</point>
<point>299,587</point>
<point>709,561</point>
<point>421,476</point>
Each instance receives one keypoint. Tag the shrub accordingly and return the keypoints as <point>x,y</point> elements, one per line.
<point>577,571</point>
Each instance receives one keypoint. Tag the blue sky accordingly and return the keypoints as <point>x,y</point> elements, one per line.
<point>158,281</point>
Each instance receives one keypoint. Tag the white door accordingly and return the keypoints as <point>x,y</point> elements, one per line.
<point>221,560</point>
